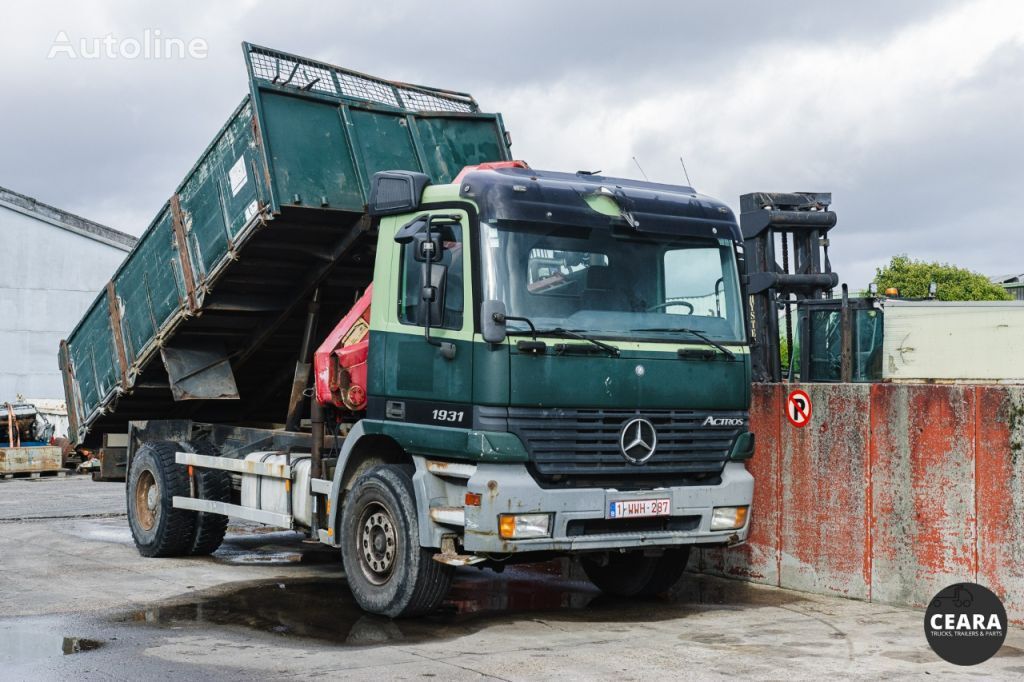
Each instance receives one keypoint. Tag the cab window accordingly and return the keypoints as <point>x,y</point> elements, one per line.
<point>447,275</point>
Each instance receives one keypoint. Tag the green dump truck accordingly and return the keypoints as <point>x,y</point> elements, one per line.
<point>359,318</point>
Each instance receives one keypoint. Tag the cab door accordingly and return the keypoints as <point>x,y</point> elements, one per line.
<point>418,382</point>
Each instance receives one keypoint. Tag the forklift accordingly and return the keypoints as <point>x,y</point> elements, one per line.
<point>788,275</point>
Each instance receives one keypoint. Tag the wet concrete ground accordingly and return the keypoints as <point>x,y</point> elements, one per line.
<point>77,602</point>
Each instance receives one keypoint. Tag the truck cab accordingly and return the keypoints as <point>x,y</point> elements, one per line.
<point>563,360</point>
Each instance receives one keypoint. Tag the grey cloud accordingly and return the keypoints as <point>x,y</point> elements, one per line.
<point>110,139</point>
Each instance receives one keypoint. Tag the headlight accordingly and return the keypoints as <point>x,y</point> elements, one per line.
<point>523,526</point>
<point>728,518</point>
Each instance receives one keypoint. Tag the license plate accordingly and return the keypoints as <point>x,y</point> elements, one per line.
<point>631,509</point>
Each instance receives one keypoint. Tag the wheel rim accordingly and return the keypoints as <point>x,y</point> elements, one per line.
<point>147,500</point>
<point>377,543</point>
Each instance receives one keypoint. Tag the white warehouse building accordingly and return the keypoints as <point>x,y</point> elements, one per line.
<point>52,266</point>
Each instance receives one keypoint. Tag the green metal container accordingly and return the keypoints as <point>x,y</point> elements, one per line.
<point>204,318</point>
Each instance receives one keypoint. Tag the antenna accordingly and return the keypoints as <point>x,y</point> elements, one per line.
<point>683,163</point>
<point>641,169</point>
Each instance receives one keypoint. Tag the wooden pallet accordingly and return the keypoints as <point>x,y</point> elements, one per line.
<point>36,474</point>
<point>30,461</point>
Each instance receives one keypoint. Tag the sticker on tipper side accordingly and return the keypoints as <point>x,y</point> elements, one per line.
<point>251,209</point>
<point>238,176</point>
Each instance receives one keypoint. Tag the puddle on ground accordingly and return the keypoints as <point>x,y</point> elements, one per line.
<point>323,609</point>
<point>274,548</point>
<point>19,645</point>
<point>243,545</point>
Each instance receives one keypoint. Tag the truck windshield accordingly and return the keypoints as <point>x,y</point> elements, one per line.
<point>611,283</point>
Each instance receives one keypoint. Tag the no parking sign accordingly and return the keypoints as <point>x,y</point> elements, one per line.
<point>798,408</point>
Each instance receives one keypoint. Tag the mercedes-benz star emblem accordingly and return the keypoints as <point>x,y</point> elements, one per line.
<point>637,440</point>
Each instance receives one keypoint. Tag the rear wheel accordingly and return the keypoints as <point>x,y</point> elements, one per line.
<point>211,484</point>
<point>387,570</point>
<point>634,575</point>
<point>154,479</point>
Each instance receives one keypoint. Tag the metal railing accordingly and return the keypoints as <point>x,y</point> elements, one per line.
<point>287,70</point>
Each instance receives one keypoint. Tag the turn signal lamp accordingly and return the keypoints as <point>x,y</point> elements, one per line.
<point>524,526</point>
<point>728,518</point>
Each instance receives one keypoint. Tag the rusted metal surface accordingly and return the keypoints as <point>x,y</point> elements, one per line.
<point>449,554</point>
<point>758,560</point>
<point>922,477</point>
<point>67,377</point>
<point>824,525</point>
<point>199,371</point>
<point>30,460</point>
<point>451,469</point>
<point>303,365</point>
<point>184,257</point>
<point>115,330</point>
<point>892,492</point>
<point>999,470</point>
<point>113,464</point>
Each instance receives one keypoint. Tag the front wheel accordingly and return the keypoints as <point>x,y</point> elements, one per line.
<point>634,575</point>
<point>387,570</point>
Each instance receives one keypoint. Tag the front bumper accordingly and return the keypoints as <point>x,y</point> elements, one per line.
<point>509,488</point>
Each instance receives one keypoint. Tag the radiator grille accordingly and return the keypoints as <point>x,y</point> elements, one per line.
<point>583,444</point>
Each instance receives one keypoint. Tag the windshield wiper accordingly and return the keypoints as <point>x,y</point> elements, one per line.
<point>558,331</point>
<point>693,332</point>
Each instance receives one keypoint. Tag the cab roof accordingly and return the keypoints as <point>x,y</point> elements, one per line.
<point>518,194</point>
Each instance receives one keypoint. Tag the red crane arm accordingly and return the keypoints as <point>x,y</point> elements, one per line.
<point>339,364</point>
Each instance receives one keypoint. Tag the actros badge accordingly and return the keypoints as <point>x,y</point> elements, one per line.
<point>965,624</point>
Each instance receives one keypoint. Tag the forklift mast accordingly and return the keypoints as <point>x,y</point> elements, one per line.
<point>801,220</point>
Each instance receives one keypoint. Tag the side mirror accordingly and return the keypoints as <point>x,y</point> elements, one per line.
<point>492,321</point>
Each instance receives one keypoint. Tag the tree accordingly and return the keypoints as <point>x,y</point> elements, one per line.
<point>912,278</point>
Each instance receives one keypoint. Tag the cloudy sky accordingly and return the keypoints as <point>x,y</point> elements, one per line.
<point>909,112</point>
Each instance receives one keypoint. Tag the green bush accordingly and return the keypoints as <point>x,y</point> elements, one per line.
<point>784,351</point>
<point>912,278</point>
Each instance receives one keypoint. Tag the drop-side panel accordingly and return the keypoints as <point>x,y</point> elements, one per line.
<point>450,143</point>
<point>93,356</point>
<point>149,288</point>
<point>382,140</point>
<point>310,153</point>
<point>270,211</point>
<point>221,197</point>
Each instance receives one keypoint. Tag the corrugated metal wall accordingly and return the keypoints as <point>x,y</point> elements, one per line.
<point>892,492</point>
<point>48,278</point>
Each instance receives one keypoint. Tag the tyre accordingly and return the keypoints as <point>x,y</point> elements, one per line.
<point>387,570</point>
<point>67,452</point>
<point>154,479</point>
<point>211,484</point>
<point>634,575</point>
